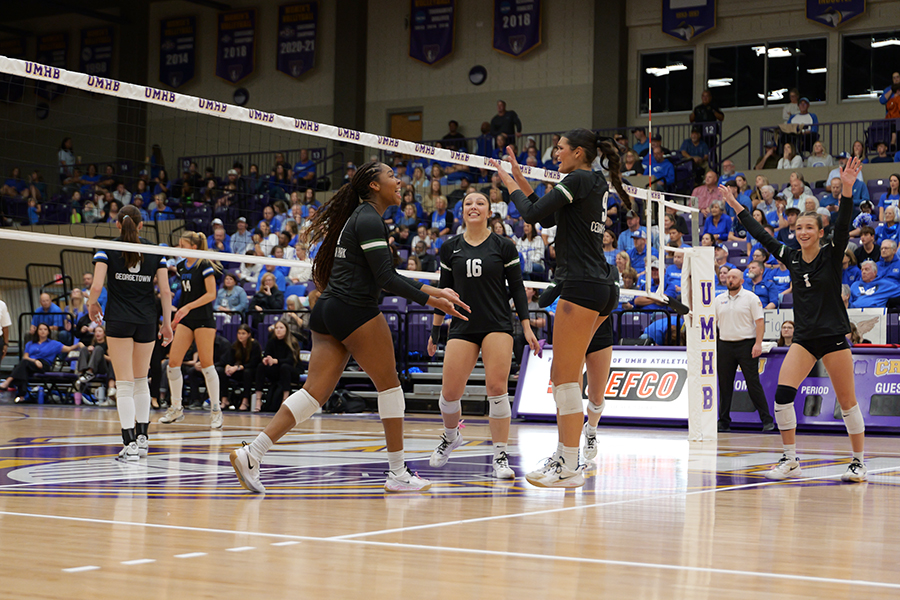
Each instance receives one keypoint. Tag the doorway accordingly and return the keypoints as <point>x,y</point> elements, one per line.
<point>407,126</point>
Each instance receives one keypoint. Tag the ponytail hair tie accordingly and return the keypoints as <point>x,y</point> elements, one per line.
<point>126,217</point>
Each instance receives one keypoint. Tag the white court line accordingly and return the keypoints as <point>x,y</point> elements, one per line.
<point>288,543</point>
<point>475,551</point>
<point>585,506</point>
<point>240,549</point>
<point>140,561</point>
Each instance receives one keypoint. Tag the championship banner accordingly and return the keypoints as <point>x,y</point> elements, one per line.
<point>297,38</point>
<point>699,291</point>
<point>177,50</point>
<point>871,323</point>
<point>834,13</point>
<point>12,88</point>
<point>237,45</point>
<point>96,51</point>
<point>686,19</point>
<point>517,26</point>
<point>52,50</point>
<point>431,30</point>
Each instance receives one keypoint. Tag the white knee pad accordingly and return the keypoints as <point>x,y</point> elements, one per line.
<point>302,405</point>
<point>125,403</point>
<point>449,408</point>
<point>568,399</point>
<point>499,407</point>
<point>785,416</point>
<point>853,420</point>
<point>212,383</point>
<point>596,408</point>
<point>141,400</point>
<point>391,403</point>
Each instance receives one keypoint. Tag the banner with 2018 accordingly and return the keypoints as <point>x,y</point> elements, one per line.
<point>517,26</point>
<point>235,58</point>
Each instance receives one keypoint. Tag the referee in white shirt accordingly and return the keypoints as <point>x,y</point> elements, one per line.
<point>739,315</point>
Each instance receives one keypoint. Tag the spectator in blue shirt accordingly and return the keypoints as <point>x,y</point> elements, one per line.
<point>872,291</point>
<point>39,355</point>
<point>48,313</point>
<point>760,286</point>
<point>642,302</point>
<point>638,254</point>
<point>231,297</point>
<point>441,219</point>
<point>15,185</point>
<point>161,211</point>
<point>851,273</point>
<point>718,223</point>
<point>663,173</point>
<point>657,331</point>
<point>305,171</point>
<point>891,197</point>
<point>641,143</point>
<point>242,240</point>
<point>672,281</point>
<point>889,265</point>
<point>484,144</point>
<point>888,229</point>
<point>273,270</point>
<point>728,172</point>
<point>697,151</point>
<point>809,120</point>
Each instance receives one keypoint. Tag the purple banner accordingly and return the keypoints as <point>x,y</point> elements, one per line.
<point>177,54</point>
<point>517,26</point>
<point>686,19</point>
<point>834,13</point>
<point>237,45</point>
<point>96,51</point>
<point>297,25</point>
<point>431,30</point>
<point>52,50</point>
<point>11,87</point>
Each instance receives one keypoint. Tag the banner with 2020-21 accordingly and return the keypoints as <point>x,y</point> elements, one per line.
<point>297,23</point>
<point>235,58</point>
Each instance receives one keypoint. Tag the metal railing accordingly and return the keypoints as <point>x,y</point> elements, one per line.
<point>46,278</point>
<point>14,292</point>
<point>745,146</point>
<point>265,160</point>
<point>837,136</point>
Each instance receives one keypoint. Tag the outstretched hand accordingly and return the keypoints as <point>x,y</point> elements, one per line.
<point>447,300</point>
<point>728,195</point>
<point>505,177</point>
<point>849,173</point>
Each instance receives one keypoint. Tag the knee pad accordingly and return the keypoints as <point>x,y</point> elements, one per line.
<point>391,403</point>
<point>499,407</point>
<point>173,373</point>
<point>568,399</point>
<point>853,420</point>
<point>302,405</point>
<point>785,416</point>
<point>141,386</point>
<point>449,408</point>
<point>785,394</point>
<point>596,408</point>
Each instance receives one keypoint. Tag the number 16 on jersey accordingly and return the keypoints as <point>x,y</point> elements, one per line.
<point>473,267</point>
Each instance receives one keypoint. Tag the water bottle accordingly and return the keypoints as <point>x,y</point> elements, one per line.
<point>101,396</point>
<point>40,395</point>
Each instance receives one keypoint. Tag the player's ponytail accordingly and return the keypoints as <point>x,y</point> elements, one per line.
<point>613,166</point>
<point>198,239</point>
<point>129,218</point>
<point>330,220</point>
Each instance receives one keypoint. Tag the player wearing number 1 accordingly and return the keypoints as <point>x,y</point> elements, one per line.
<point>479,264</point>
<point>820,323</point>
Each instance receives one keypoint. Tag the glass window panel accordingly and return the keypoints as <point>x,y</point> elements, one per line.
<point>736,75</point>
<point>800,64</point>
<point>867,62</point>
<point>671,75</point>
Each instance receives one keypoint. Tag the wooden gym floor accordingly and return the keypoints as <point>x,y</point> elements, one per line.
<point>658,518</point>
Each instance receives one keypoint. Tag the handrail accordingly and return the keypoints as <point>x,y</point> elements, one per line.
<point>747,146</point>
<point>837,136</point>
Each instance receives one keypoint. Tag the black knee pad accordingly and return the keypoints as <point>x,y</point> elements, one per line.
<point>785,394</point>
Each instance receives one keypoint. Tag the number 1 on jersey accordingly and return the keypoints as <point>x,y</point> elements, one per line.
<point>473,267</point>
<point>806,280</point>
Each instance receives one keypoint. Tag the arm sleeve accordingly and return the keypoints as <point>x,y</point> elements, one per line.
<point>514,279</point>
<point>842,224</point>
<point>370,233</point>
<point>534,209</point>
<point>773,246</point>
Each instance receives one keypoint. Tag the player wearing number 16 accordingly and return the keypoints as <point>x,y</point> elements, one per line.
<point>479,264</point>
<point>820,322</point>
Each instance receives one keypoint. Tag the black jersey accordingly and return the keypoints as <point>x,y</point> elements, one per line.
<point>363,264</point>
<point>193,287</point>
<point>818,308</point>
<point>479,274</point>
<point>577,206</point>
<point>131,298</point>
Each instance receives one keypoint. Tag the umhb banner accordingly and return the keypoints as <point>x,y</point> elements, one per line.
<point>177,50</point>
<point>517,26</point>
<point>431,30</point>
<point>834,13</point>
<point>11,87</point>
<point>52,50</point>
<point>686,19</point>
<point>297,38</point>
<point>96,51</point>
<point>698,292</point>
<point>237,45</point>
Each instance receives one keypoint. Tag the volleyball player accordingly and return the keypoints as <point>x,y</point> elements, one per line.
<point>820,323</point>
<point>131,325</point>
<point>577,206</point>
<point>353,265</point>
<point>479,264</point>
<point>194,323</point>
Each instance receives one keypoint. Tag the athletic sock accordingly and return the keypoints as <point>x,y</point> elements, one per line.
<point>141,401</point>
<point>590,429</point>
<point>559,451</point>
<point>498,448</point>
<point>790,450</point>
<point>260,446</point>
<point>396,463</point>
<point>176,386</point>
<point>859,456</point>
<point>451,434</point>
<point>570,457</point>
<point>211,377</point>
<point>125,404</point>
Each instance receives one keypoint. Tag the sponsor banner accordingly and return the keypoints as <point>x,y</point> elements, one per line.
<point>517,26</point>
<point>431,30</point>
<point>96,51</point>
<point>12,88</point>
<point>297,38</point>
<point>686,19</point>
<point>642,383</point>
<point>834,13</point>
<point>236,45</point>
<point>870,322</point>
<point>52,51</point>
<point>188,103</point>
<point>177,50</point>
<point>698,288</point>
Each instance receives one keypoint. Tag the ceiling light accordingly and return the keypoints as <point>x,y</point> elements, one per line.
<point>817,71</point>
<point>775,94</point>
<point>723,82</point>
<point>883,43</point>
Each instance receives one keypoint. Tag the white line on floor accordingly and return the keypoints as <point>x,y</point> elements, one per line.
<point>140,561</point>
<point>240,549</point>
<point>190,555</point>
<point>80,569</point>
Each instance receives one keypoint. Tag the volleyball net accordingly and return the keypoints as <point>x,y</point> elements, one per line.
<point>202,159</point>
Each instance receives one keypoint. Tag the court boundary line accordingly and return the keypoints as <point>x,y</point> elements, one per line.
<point>475,551</point>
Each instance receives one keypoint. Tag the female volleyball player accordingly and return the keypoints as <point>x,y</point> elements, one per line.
<point>479,264</point>
<point>820,323</point>
<point>194,323</point>
<point>131,325</point>
<point>577,206</point>
<point>353,266</point>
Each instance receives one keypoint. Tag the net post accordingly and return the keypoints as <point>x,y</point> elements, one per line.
<point>698,276</point>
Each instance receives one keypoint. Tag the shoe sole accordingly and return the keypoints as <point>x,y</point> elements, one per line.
<point>505,476</point>
<point>567,483</point>
<point>792,475</point>
<point>436,464</point>
<point>233,457</point>
<point>534,482</point>
<point>421,489</point>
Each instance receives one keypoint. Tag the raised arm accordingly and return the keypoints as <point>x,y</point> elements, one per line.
<point>758,232</point>
<point>849,174</point>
